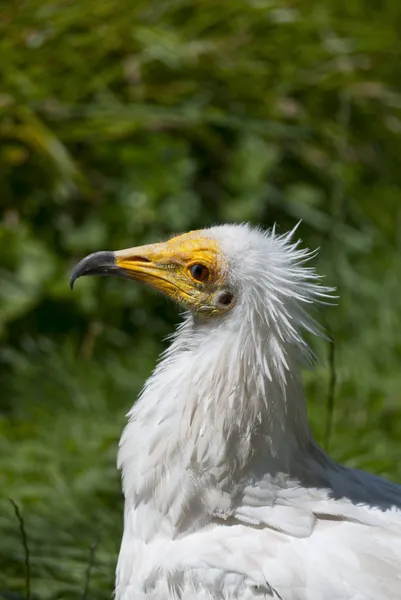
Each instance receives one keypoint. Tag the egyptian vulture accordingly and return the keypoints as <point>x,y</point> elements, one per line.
<point>227,495</point>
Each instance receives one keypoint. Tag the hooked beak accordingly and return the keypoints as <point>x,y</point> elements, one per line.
<point>98,263</point>
<point>167,267</point>
<point>149,264</point>
<point>140,263</point>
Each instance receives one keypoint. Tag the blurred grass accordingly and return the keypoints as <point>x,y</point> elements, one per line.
<point>123,122</point>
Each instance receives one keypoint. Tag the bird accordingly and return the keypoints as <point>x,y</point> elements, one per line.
<point>227,494</point>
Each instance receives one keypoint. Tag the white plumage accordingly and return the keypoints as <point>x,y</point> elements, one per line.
<point>227,495</point>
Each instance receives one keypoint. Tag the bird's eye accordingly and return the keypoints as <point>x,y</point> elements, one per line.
<point>199,272</point>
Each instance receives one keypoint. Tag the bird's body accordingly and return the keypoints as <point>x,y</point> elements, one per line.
<point>227,496</point>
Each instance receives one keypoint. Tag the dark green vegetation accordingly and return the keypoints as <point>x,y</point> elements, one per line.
<point>122,122</point>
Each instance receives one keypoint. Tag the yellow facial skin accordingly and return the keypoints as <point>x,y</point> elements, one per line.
<point>167,267</point>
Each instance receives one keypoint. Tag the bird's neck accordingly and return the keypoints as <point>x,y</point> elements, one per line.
<point>219,401</point>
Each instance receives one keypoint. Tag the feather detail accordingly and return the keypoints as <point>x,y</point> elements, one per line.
<point>227,496</point>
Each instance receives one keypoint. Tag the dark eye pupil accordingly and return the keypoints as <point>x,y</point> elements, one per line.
<point>199,272</point>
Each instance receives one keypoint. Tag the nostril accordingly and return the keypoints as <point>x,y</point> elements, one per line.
<point>138,259</point>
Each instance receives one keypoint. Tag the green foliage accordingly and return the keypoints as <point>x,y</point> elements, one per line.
<point>121,122</point>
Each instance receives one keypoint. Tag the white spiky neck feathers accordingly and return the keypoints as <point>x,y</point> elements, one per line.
<point>271,277</point>
<point>228,380</point>
<point>226,493</point>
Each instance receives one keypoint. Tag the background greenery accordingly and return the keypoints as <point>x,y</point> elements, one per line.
<point>122,122</point>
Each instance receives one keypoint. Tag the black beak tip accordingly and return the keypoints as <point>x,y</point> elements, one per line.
<point>72,279</point>
<point>98,263</point>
